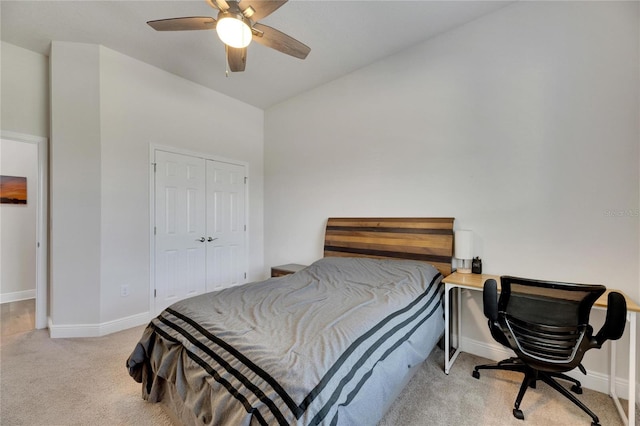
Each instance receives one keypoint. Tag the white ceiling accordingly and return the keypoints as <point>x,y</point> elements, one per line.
<point>343,36</point>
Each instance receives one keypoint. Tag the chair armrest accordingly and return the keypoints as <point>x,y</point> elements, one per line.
<point>490,300</point>
<point>613,327</point>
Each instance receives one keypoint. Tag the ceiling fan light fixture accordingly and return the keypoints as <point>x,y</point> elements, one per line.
<point>233,30</point>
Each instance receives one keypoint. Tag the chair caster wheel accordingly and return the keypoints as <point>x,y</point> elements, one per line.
<point>518,414</point>
<point>476,374</point>
<point>577,389</point>
<point>595,424</point>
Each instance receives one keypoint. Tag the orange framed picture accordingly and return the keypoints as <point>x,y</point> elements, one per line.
<point>13,190</point>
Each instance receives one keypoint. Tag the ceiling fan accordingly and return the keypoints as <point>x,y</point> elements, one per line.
<point>236,25</point>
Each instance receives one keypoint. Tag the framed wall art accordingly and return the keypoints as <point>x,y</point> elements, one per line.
<point>13,190</point>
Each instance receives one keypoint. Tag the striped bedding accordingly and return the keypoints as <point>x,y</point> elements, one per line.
<point>332,344</point>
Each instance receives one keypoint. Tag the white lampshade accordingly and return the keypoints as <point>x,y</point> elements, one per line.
<point>233,31</point>
<point>464,244</point>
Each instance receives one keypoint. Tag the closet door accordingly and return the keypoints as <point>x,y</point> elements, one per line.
<point>226,225</point>
<point>180,243</point>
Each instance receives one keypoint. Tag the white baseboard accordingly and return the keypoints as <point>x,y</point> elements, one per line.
<point>97,330</point>
<point>16,296</point>
<point>593,380</point>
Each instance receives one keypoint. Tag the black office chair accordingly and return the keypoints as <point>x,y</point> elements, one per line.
<point>547,325</point>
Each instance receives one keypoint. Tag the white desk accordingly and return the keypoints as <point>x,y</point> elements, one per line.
<point>476,282</point>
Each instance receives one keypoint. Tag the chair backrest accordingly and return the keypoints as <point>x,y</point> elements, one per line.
<point>547,323</point>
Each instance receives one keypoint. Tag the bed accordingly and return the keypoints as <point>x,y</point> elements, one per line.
<point>332,344</point>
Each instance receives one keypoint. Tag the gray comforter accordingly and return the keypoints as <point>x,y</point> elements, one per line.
<point>331,344</point>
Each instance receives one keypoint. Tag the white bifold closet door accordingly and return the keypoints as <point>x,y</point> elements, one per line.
<point>225,225</point>
<point>199,226</point>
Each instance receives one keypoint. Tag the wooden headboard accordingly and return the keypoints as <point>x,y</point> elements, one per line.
<point>429,239</point>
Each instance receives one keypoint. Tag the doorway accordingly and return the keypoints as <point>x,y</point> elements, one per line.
<point>24,250</point>
<point>199,230</point>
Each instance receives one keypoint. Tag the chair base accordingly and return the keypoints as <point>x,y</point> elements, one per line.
<point>531,376</point>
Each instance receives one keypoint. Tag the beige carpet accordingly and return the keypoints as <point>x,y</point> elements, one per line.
<point>433,398</point>
<point>47,381</point>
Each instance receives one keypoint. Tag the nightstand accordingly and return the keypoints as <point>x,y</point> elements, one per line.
<point>282,270</point>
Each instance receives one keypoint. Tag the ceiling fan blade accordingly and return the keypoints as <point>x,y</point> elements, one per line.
<point>183,24</point>
<point>278,40</point>
<point>218,4</point>
<point>237,58</point>
<point>261,8</point>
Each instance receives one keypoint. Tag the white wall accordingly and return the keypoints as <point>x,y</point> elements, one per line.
<point>24,105</point>
<point>523,125</point>
<point>24,98</point>
<point>141,105</point>
<point>24,94</point>
<point>106,110</point>
<point>18,224</point>
<point>75,204</point>
<point>100,165</point>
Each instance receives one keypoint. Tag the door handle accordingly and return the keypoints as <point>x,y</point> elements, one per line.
<point>201,239</point>
<point>211,239</point>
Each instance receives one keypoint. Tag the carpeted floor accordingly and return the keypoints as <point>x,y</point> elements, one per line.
<point>49,382</point>
<point>433,398</point>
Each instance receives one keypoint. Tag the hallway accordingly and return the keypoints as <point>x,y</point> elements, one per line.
<point>17,317</point>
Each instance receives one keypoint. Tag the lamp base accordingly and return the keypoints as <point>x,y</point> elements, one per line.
<point>464,266</point>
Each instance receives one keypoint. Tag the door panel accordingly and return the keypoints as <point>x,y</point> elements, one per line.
<point>226,260</point>
<point>170,272</point>
<point>180,224</point>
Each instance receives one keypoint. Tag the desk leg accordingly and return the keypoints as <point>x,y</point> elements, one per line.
<point>632,369</point>
<point>629,420</point>
<point>450,358</point>
<point>447,308</point>
<point>458,321</point>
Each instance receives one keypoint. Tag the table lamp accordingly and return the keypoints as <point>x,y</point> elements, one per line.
<point>463,244</point>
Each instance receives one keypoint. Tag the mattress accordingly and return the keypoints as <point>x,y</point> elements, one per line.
<point>331,344</point>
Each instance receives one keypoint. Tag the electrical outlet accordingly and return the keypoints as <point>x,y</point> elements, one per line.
<point>124,290</point>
